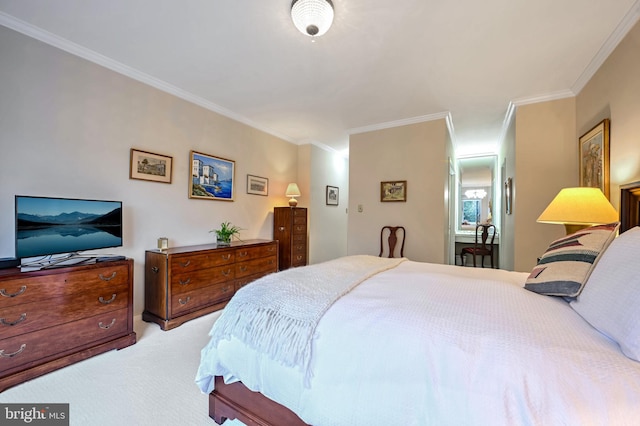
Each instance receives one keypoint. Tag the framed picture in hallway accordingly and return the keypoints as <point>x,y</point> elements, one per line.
<point>332,195</point>
<point>594,157</point>
<point>393,191</point>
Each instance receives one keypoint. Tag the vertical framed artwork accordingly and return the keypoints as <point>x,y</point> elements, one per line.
<point>332,195</point>
<point>393,191</point>
<point>257,185</point>
<point>508,196</point>
<point>594,157</point>
<point>149,166</point>
<point>211,178</point>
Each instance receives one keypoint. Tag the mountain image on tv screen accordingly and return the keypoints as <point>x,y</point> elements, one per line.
<point>46,226</point>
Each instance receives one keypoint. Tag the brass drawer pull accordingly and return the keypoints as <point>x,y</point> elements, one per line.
<point>103,278</point>
<point>226,273</point>
<point>187,281</point>
<point>106,327</point>
<point>3,355</point>
<point>226,289</point>
<point>226,256</point>
<point>184,302</point>
<point>5,294</point>
<point>155,269</point>
<point>185,264</point>
<point>243,268</point>
<point>18,321</point>
<point>243,253</point>
<point>106,302</point>
<point>271,248</point>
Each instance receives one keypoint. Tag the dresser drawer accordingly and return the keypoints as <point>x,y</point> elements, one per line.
<point>181,283</point>
<point>191,300</point>
<point>299,259</point>
<point>208,259</point>
<point>248,253</point>
<point>241,282</point>
<point>265,264</point>
<point>28,317</point>
<point>29,289</point>
<point>39,346</point>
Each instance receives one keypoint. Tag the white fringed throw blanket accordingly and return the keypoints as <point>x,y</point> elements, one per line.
<point>278,313</point>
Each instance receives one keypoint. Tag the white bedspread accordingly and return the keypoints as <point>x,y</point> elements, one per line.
<point>427,344</point>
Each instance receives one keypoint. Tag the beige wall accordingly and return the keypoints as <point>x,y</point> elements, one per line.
<point>507,165</point>
<point>327,223</point>
<point>415,153</point>
<point>545,162</point>
<point>67,126</point>
<point>614,93</point>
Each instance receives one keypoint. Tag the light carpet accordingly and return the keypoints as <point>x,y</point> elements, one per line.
<point>149,383</point>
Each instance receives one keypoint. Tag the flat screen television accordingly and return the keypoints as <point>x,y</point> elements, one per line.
<point>47,226</point>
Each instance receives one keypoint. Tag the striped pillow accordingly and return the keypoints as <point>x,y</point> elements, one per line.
<point>566,265</point>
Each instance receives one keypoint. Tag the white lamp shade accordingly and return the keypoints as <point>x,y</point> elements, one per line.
<point>292,190</point>
<point>579,206</point>
<point>312,17</point>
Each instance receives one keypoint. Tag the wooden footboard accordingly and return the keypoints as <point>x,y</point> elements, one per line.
<point>236,401</point>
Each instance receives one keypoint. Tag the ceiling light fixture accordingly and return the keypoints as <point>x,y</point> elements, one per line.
<point>475,193</point>
<point>312,17</point>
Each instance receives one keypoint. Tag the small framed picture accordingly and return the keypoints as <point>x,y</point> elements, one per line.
<point>149,166</point>
<point>211,178</point>
<point>257,185</point>
<point>393,191</point>
<point>333,194</point>
<point>508,196</point>
<point>594,157</point>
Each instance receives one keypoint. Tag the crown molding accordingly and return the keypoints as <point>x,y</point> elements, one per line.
<point>106,62</point>
<point>627,22</point>
<point>398,123</point>
<point>562,94</point>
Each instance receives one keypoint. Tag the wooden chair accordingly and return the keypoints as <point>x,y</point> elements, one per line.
<point>392,240</point>
<point>480,246</point>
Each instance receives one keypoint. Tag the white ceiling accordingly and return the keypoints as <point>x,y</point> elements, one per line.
<point>383,63</point>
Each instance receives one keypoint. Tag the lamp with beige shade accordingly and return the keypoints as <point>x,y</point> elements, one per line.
<point>578,208</point>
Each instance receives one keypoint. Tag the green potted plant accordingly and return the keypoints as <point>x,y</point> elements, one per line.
<point>225,233</point>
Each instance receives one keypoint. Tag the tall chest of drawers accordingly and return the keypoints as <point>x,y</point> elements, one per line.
<point>52,318</point>
<point>290,229</point>
<point>182,283</point>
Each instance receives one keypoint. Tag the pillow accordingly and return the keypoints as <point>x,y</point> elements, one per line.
<point>567,263</point>
<point>610,301</point>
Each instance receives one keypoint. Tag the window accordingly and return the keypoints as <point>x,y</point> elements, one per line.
<point>471,211</point>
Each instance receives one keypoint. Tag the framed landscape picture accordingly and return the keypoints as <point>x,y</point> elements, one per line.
<point>211,178</point>
<point>393,191</point>
<point>594,157</point>
<point>149,166</point>
<point>257,185</point>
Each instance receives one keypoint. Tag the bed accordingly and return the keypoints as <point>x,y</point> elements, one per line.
<point>415,343</point>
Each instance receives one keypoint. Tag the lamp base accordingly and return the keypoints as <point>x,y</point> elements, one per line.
<point>572,229</point>
<point>293,202</point>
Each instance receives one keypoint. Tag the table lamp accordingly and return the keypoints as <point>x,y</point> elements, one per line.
<point>578,208</point>
<point>293,191</point>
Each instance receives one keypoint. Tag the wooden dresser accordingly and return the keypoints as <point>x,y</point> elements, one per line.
<point>55,317</point>
<point>290,230</point>
<point>182,283</point>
